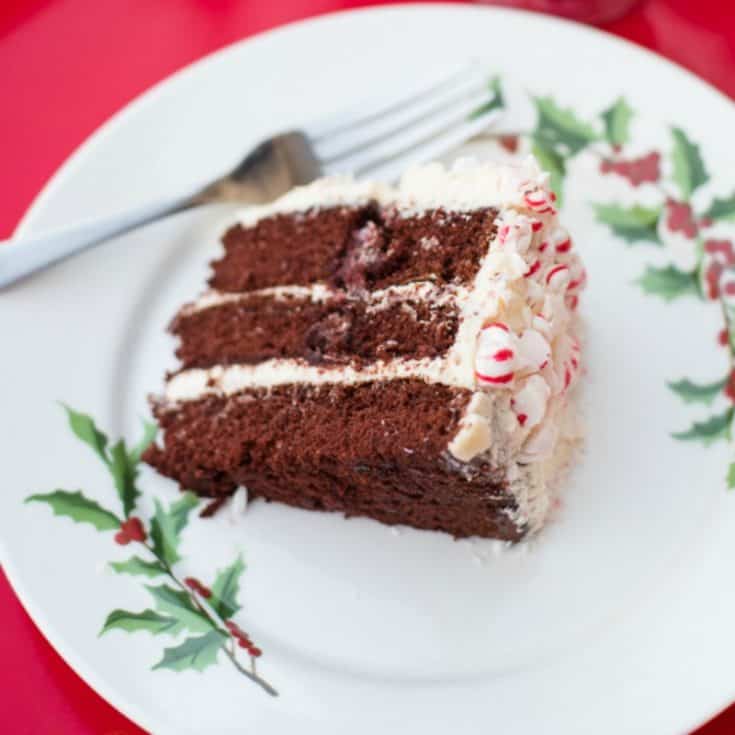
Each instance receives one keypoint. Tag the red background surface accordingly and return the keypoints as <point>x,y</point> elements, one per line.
<point>65,67</point>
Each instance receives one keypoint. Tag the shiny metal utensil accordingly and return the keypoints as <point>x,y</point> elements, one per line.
<point>373,140</point>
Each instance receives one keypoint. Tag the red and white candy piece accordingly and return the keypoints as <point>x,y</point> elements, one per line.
<point>557,277</point>
<point>576,354</point>
<point>576,284</point>
<point>496,356</point>
<point>535,294</point>
<point>540,443</point>
<point>503,234</point>
<point>578,276</point>
<point>533,350</point>
<point>560,240</point>
<point>516,232</point>
<point>539,199</point>
<point>568,358</point>
<point>541,324</point>
<point>529,404</point>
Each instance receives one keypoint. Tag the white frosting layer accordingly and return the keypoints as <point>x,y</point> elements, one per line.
<point>465,186</point>
<point>319,292</point>
<point>469,185</point>
<point>199,382</point>
<point>331,191</point>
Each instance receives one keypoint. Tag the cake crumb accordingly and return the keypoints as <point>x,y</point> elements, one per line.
<point>239,503</point>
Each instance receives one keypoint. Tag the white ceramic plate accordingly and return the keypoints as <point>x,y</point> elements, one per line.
<point>618,618</point>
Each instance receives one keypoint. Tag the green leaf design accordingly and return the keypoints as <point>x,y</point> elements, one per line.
<point>689,170</point>
<point>496,101</point>
<point>632,224</point>
<point>166,527</point>
<point>729,310</point>
<point>561,129</point>
<point>697,393</point>
<point>617,122</point>
<point>137,566</point>
<point>721,209</point>
<point>85,429</point>
<point>194,653</point>
<point>550,161</point>
<point>79,508</point>
<point>731,477</point>
<point>124,475</point>
<point>131,622</point>
<point>149,434</point>
<point>226,588</point>
<point>709,431</point>
<point>177,605</point>
<point>669,283</point>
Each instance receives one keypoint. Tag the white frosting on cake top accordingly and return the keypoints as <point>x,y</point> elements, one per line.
<point>330,191</point>
<point>467,185</point>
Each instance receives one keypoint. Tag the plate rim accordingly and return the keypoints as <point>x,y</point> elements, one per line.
<point>77,156</point>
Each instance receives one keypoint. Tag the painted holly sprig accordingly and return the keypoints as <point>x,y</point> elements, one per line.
<point>560,135</point>
<point>203,614</point>
<point>680,214</point>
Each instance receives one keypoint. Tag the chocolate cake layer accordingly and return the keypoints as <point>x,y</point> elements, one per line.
<point>259,327</point>
<point>361,247</point>
<point>376,449</point>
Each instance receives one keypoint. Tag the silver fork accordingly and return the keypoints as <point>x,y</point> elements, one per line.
<point>414,127</point>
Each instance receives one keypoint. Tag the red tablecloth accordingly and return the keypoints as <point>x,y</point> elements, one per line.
<point>65,67</point>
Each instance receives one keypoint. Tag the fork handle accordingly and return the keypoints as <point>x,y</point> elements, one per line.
<point>19,257</point>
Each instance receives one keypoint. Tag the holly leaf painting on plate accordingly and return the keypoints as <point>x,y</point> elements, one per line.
<point>167,524</point>
<point>709,431</point>
<point>78,507</point>
<point>731,476</point>
<point>148,620</point>
<point>552,162</point>
<point>124,474</point>
<point>226,588</point>
<point>560,128</point>
<point>136,565</point>
<point>669,282</point>
<point>178,605</point>
<point>182,606</point>
<point>149,434</point>
<point>617,119</point>
<point>721,209</point>
<point>632,224</point>
<point>496,100</point>
<point>698,392</point>
<point>689,170</point>
<point>195,653</point>
<point>84,428</point>
<point>121,463</point>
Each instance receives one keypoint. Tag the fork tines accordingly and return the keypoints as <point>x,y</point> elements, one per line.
<point>381,140</point>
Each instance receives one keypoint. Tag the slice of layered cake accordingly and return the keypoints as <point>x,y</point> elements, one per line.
<point>405,354</point>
